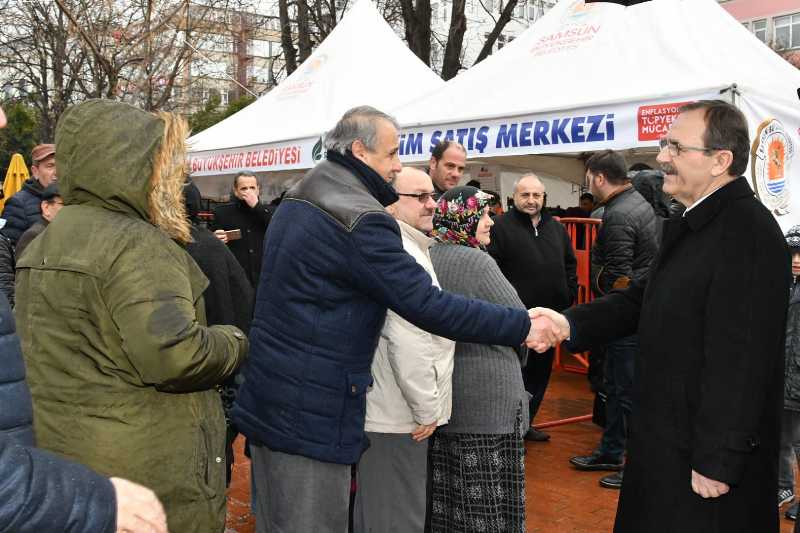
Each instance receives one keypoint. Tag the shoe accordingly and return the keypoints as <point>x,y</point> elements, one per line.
<point>534,435</point>
<point>785,496</point>
<point>612,481</point>
<point>791,512</point>
<point>596,461</point>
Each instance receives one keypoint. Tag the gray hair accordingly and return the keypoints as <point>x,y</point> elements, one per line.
<point>528,175</point>
<point>359,123</point>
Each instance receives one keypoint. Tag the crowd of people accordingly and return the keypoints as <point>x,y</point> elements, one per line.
<point>386,318</point>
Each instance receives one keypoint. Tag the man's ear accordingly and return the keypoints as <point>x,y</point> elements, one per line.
<point>432,164</point>
<point>359,149</point>
<point>723,159</point>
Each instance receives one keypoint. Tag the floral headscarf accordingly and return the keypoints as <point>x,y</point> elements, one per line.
<point>457,214</point>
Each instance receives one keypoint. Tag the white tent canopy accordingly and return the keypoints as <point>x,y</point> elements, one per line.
<point>600,75</point>
<point>362,62</point>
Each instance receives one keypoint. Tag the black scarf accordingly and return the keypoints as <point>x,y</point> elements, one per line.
<point>375,184</point>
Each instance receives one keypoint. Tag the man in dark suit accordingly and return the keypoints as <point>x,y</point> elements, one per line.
<point>708,393</point>
<point>535,254</point>
<point>247,214</point>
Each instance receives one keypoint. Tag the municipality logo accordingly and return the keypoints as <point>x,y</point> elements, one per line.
<point>318,152</point>
<point>772,155</point>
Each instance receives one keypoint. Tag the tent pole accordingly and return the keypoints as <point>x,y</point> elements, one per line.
<point>733,91</point>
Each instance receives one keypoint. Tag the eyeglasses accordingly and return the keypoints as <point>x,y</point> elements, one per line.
<point>423,197</point>
<point>675,148</point>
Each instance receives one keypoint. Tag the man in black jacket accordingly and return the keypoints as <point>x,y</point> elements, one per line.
<point>22,210</point>
<point>711,320</point>
<point>625,247</point>
<point>248,215</point>
<point>535,254</point>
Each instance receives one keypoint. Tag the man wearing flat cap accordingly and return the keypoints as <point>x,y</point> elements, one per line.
<point>23,209</point>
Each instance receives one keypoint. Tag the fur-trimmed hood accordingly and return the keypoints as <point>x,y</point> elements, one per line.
<point>115,156</point>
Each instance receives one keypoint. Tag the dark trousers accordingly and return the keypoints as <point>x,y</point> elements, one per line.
<point>618,381</point>
<point>536,376</point>
<point>790,448</point>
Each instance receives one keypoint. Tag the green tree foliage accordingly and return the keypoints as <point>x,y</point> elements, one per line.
<point>20,135</point>
<point>213,113</point>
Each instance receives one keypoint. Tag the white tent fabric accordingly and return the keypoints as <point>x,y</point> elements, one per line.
<point>584,55</point>
<point>600,75</point>
<point>362,62</point>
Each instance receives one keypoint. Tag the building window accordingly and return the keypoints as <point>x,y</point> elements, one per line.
<point>787,31</point>
<point>519,11</point>
<point>760,29</point>
<point>224,97</point>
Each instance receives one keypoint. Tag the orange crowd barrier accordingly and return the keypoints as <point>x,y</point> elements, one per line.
<point>582,232</point>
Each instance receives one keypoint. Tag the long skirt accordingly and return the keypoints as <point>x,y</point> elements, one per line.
<point>477,483</point>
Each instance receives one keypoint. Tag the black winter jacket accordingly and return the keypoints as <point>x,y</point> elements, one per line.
<point>253,222</point>
<point>539,262</point>
<point>7,273</point>
<point>23,209</point>
<point>626,242</point>
<point>791,381</point>
<point>229,296</point>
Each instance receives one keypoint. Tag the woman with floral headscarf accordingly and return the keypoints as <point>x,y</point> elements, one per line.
<point>477,460</point>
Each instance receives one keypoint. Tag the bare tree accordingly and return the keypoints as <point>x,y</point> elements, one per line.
<point>499,25</point>
<point>39,60</point>
<point>417,21</point>
<point>287,44</point>
<point>455,40</point>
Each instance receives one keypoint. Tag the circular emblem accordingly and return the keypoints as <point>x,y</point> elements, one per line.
<point>772,155</point>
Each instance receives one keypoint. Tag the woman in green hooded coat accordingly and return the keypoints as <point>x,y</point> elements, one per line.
<point>121,366</point>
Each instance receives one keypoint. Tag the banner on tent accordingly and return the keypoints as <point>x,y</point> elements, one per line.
<point>608,127</point>
<point>264,158</point>
<point>614,127</point>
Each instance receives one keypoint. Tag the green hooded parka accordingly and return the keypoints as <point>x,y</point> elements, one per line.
<point>121,366</point>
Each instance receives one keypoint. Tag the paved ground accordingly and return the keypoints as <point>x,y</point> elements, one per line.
<point>559,499</point>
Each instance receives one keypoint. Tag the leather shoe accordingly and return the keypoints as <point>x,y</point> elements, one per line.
<point>534,435</point>
<point>791,512</point>
<point>612,481</point>
<point>596,461</point>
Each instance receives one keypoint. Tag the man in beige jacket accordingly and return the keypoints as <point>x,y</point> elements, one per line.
<point>411,393</point>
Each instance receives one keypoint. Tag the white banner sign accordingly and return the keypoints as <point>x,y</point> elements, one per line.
<point>614,127</point>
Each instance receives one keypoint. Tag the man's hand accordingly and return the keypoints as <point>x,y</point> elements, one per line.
<point>423,432</point>
<point>138,508</point>
<point>220,234</point>
<point>250,198</point>
<point>708,488</point>
<point>548,329</point>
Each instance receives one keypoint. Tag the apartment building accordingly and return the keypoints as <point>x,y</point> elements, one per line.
<point>775,23</point>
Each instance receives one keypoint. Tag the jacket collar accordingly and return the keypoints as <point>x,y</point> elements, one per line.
<point>524,218</point>
<point>705,212</point>
<point>375,184</point>
<point>616,194</point>
<point>33,185</point>
<point>420,239</point>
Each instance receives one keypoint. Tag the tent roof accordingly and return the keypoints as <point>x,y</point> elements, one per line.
<point>581,55</point>
<point>361,62</point>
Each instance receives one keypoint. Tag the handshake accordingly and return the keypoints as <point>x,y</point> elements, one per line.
<point>548,329</point>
